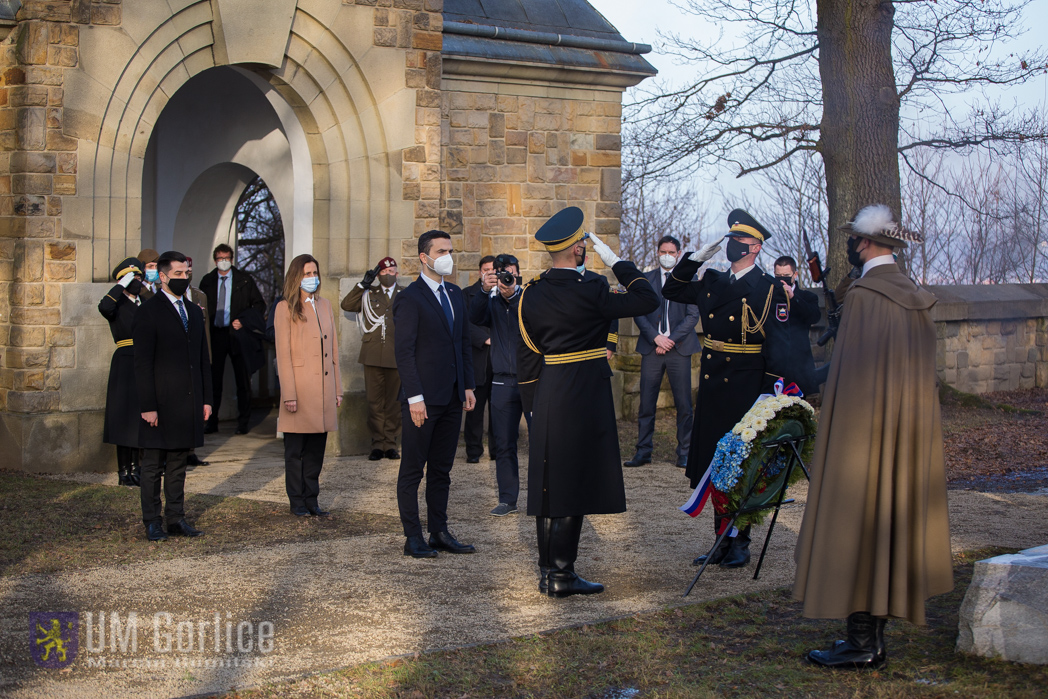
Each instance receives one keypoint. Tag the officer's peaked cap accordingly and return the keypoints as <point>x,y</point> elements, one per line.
<point>131,264</point>
<point>562,230</point>
<point>742,225</point>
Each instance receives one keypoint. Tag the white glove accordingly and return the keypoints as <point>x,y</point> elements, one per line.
<point>126,280</point>
<point>704,253</point>
<point>607,255</point>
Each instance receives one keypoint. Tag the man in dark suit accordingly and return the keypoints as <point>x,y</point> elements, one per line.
<point>667,341</point>
<point>790,333</point>
<point>436,374</point>
<point>480,339</point>
<point>231,293</point>
<point>173,377</point>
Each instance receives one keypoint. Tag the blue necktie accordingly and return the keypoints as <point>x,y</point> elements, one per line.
<point>446,305</point>
<point>182,312</point>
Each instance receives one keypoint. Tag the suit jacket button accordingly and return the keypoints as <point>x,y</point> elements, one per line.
<point>709,356</point>
<point>727,359</point>
<point>731,317</point>
<point>706,376</point>
<point>725,381</point>
<point>711,315</point>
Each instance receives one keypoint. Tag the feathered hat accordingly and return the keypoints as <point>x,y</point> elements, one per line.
<point>877,223</point>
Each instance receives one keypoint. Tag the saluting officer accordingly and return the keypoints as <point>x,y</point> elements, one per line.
<point>122,416</point>
<point>734,308</point>
<point>564,377</point>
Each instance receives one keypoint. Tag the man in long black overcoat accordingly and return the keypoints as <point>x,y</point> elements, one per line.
<point>574,466</point>
<point>173,376</point>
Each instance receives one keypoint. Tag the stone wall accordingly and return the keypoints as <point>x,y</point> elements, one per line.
<point>990,338</point>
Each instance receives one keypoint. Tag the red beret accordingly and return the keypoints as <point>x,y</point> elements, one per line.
<point>386,263</point>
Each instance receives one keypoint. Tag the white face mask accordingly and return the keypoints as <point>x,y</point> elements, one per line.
<point>442,266</point>
<point>668,261</point>
<point>224,265</point>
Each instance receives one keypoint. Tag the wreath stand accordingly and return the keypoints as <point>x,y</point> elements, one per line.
<point>793,446</point>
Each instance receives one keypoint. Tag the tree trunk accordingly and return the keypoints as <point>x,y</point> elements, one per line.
<point>860,117</point>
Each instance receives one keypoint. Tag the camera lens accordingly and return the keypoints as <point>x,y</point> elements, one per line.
<point>505,277</point>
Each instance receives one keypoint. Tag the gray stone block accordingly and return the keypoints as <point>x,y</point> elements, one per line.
<point>80,304</point>
<point>1005,611</point>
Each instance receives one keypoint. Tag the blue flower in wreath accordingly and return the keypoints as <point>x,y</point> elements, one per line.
<point>731,452</point>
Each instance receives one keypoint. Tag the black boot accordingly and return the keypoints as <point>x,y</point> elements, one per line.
<point>542,528</point>
<point>563,550</point>
<point>718,553</point>
<point>123,466</point>
<point>738,550</point>
<point>136,467</point>
<point>863,648</point>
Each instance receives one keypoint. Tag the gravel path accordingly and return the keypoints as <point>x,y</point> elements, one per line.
<point>358,599</point>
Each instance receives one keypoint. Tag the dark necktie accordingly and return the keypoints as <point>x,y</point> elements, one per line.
<point>665,329</point>
<point>182,312</point>
<point>446,305</point>
<point>222,320</point>
<point>731,278</point>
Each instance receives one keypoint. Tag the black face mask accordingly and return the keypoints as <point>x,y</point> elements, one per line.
<point>178,286</point>
<point>787,279</point>
<point>853,255</point>
<point>135,287</point>
<point>736,250</point>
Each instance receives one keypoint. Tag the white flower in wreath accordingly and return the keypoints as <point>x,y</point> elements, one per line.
<point>759,424</point>
<point>748,434</point>
<point>766,414</point>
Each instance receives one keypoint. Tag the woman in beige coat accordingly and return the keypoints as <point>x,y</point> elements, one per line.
<point>310,386</point>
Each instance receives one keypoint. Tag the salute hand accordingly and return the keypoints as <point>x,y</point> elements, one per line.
<point>607,255</point>
<point>704,253</point>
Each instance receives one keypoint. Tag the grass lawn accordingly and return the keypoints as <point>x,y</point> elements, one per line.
<point>53,526</point>
<point>745,646</point>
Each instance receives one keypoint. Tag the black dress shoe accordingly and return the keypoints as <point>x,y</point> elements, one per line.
<point>376,454</point>
<point>317,512</point>
<point>739,551</point>
<point>155,532</point>
<point>183,528</point>
<point>682,462</point>
<point>300,511</point>
<point>444,541</point>
<point>194,460</point>
<point>472,459</point>
<point>864,647</point>
<point>637,461</point>
<point>242,430</point>
<point>392,454</point>
<point>210,428</point>
<point>416,547</point>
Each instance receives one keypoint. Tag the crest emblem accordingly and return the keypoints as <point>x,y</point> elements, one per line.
<point>54,638</point>
<point>782,312</point>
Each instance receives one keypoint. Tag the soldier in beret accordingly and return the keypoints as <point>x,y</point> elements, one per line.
<point>734,308</point>
<point>564,377</point>
<point>381,379</point>
<point>875,540</point>
<point>119,307</point>
<point>151,277</point>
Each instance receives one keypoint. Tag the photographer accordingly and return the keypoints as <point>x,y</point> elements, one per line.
<point>496,309</point>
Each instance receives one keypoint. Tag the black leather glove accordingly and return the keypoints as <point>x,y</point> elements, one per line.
<point>369,278</point>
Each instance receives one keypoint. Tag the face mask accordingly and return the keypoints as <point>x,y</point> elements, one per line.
<point>310,284</point>
<point>668,261</point>
<point>152,276</point>
<point>387,280</point>
<point>224,265</point>
<point>134,288</point>
<point>736,250</point>
<point>784,278</point>
<point>442,266</point>
<point>853,255</point>
<point>178,286</point>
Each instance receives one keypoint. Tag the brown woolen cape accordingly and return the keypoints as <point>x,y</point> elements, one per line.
<point>876,536</point>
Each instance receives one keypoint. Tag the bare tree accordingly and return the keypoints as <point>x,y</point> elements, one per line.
<point>848,79</point>
<point>652,209</point>
<point>1032,213</point>
<point>260,238</point>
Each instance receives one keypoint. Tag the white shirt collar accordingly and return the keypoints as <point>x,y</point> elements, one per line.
<point>171,297</point>
<point>877,262</point>
<point>743,272</point>
<point>311,299</point>
<point>432,284</point>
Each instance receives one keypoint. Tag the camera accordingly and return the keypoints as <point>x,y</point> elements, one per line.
<point>505,277</point>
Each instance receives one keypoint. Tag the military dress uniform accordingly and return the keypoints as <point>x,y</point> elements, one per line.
<point>574,466</point>
<point>734,365</point>
<point>122,414</point>
<point>381,380</point>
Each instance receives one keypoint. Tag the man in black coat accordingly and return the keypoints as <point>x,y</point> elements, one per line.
<point>790,332</point>
<point>480,339</point>
<point>666,342</point>
<point>574,466</point>
<point>231,293</point>
<point>173,377</point>
<point>735,308</point>
<point>436,374</point>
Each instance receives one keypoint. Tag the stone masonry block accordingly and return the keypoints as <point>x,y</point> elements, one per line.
<point>1005,610</point>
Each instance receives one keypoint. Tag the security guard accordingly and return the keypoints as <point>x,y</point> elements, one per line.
<point>574,467</point>
<point>735,306</point>
<point>122,415</point>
